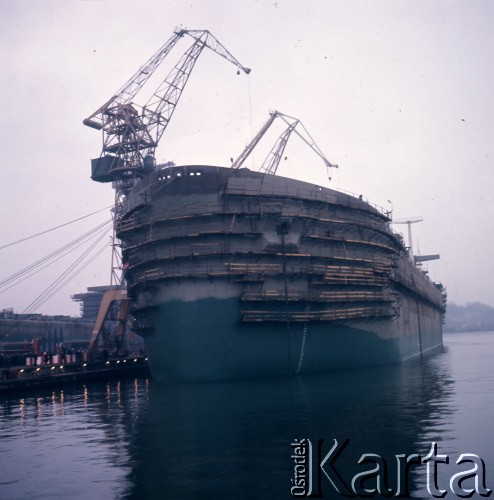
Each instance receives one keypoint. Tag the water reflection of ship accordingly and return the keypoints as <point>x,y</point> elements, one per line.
<point>232,440</point>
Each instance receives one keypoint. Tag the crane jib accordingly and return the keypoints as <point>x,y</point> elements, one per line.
<point>131,132</point>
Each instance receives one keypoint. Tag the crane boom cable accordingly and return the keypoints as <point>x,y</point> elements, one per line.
<point>54,256</point>
<point>25,277</point>
<point>63,279</point>
<point>65,248</point>
<point>38,302</point>
<point>54,228</point>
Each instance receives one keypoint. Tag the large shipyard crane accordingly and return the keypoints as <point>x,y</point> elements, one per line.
<point>272,161</point>
<point>417,259</point>
<point>409,221</point>
<point>131,133</point>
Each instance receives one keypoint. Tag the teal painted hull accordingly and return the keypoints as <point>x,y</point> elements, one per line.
<point>205,341</point>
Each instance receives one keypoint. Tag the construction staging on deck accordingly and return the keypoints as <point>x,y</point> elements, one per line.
<point>328,255</point>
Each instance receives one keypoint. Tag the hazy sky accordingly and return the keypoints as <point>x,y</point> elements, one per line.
<point>398,93</point>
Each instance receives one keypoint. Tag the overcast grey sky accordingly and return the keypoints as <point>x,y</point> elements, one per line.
<point>398,93</point>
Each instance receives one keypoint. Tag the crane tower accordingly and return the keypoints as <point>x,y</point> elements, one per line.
<point>409,221</point>
<point>131,133</point>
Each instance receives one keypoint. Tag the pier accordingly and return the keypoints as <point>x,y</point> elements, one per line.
<point>38,372</point>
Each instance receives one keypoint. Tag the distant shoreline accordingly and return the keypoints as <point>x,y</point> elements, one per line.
<point>449,332</point>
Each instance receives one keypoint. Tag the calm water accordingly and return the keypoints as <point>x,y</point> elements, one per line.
<point>137,439</point>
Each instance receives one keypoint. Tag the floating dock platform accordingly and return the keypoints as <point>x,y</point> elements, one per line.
<point>16,378</point>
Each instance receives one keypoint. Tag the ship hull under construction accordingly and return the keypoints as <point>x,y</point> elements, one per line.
<point>235,274</point>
